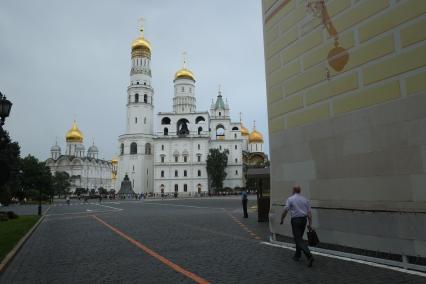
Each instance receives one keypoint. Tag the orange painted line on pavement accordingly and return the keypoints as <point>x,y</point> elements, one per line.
<point>152,253</point>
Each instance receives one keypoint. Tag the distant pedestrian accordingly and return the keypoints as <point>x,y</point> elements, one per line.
<point>67,200</point>
<point>244,200</point>
<point>300,211</point>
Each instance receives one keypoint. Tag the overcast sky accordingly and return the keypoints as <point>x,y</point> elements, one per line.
<point>61,60</point>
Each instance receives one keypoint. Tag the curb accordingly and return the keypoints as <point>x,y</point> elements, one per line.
<point>8,258</point>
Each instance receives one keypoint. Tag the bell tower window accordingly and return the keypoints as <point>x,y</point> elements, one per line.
<point>136,98</point>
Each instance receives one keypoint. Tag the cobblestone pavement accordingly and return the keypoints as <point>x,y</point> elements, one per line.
<point>206,237</point>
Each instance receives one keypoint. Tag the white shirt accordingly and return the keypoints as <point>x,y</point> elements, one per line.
<point>298,206</point>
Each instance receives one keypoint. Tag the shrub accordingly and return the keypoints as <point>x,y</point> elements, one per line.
<point>11,215</point>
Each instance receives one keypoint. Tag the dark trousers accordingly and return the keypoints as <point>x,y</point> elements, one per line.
<point>298,226</point>
<point>245,208</point>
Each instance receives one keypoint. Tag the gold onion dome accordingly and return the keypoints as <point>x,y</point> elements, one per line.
<point>74,134</point>
<point>255,136</point>
<point>184,74</point>
<point>141,43</point>
<point>140,46</point>
<point>244,131</point>
<point>114,161</point>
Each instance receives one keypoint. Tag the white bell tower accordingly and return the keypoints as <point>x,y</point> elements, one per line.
<point>136,145</point>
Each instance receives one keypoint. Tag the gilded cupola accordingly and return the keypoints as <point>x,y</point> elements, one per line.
<point>255,136</point>
<point>74,134</point>
<point>184,73</point>
<point>141,46</point>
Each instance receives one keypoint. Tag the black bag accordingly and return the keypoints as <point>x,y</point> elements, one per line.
<point>312,238</point>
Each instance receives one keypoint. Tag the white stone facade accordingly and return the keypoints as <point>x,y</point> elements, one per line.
<point>85,170</point>
<point>173,160</point>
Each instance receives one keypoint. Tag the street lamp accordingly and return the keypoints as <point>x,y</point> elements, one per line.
<point>5,106</point>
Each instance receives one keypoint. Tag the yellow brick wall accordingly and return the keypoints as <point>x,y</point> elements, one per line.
<point>385,40</point>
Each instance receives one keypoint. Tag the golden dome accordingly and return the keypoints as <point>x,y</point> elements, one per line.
<point>255,137</point>
<point>114,161</point>
<point>74,134</point>
<point>184,74</point>
<point>142,43</point>
<point>244,131</point>
<point>141,47</point>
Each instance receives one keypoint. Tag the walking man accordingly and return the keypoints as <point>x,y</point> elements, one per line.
<point>300,211</point>
<point>244,200</point>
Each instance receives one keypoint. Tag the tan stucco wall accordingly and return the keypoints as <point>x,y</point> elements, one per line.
<point>353,138</point>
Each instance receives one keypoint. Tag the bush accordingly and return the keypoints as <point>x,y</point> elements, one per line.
<point>11,215</point>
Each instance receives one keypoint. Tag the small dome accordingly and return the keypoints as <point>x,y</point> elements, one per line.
<point>74,134</point>
<point>55,148</point>
<point>184,74</point>
<point>114,161</point>
<point>255,137</point>
<point>93,148</point>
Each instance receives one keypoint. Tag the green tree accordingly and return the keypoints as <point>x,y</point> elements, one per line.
<point>35,176</point>
<point>102,191</point>
<point>9,167</point>
<point>61,183</point>
<point>216,164</point>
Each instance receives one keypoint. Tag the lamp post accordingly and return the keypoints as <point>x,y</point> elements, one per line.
<point>5,106</point>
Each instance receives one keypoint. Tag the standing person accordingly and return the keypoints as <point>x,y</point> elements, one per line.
<point>300,211</point>
<point>244,200</point>
<point>68,200</point>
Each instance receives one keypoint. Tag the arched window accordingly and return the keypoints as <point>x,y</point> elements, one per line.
<point>185,187</point>
<point>144,120</point>
<point>145,98</point>
<point>122,149</point>
<point>199,119</point>
<point>162,147</point>
<point>136,98</point>
<point>147,149</point>
<point>176,188</point>
<point>220,131</point>
<point>185,173</point>
<point>166,131</point>
<point>165,120</point>
<point>176,174</point>
<point>162,188</point>
<point>200,129</point>
<point>162,174</point>
<point>234,128</point>
<point>133,148</point>
<point>182,127</point>
<point>236,172</point>
<point>199,173</point>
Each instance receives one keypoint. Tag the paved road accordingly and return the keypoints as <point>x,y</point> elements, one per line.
<point>170,241</point>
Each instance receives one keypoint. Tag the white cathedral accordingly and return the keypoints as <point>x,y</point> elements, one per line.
<point>173,158</point>
<point>86,170</point>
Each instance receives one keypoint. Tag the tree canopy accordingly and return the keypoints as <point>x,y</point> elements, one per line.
<point>9,167</point>
<point>61,183</point>
<point>216,164</point>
